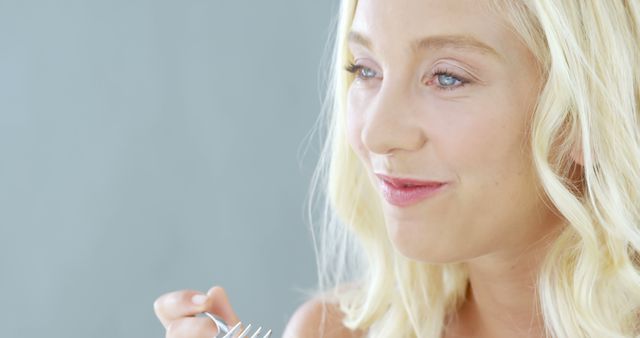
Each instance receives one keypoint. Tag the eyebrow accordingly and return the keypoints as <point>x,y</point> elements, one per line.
<point>434,42</point>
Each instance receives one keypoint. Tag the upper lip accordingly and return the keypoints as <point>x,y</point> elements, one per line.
<point>399,181</point>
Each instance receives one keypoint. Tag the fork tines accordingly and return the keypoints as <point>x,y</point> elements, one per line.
<point>245,332</point>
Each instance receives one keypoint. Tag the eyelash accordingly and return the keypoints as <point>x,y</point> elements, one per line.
<point>354,68</point>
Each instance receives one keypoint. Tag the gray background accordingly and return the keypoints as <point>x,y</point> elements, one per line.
<point>151,146</point>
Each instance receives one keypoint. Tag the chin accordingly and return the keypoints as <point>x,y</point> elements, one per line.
<point>417,245</point>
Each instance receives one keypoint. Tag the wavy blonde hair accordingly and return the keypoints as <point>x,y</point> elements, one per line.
<point>589,283</point>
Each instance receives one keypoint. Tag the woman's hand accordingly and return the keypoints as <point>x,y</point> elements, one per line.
<point>176,311</point>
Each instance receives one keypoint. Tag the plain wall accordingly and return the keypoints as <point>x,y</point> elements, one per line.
<point>151,146</point>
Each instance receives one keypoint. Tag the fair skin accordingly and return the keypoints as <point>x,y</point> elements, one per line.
<point>177,312</point>
<point>456,110</point>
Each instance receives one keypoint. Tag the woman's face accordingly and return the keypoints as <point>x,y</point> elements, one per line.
<point>455,108</point>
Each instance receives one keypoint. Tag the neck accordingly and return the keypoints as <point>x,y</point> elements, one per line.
<point>501,299</point>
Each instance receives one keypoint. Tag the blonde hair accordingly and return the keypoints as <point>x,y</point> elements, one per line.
<point>589,283</point>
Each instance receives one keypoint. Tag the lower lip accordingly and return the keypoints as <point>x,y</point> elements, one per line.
<point>402,197</point>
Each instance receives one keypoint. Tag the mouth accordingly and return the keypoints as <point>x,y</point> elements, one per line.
<point>398,182</point>
<point>403,192</point>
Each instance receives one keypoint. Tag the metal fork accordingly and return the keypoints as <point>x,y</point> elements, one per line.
<point>223,328</point>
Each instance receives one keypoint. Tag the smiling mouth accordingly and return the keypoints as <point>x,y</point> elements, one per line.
<point>404,196</point>
<point>399,182</point>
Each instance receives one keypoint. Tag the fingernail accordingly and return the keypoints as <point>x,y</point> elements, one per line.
<point>199,299</point>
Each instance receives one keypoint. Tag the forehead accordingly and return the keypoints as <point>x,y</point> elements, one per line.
<point>413,25</point>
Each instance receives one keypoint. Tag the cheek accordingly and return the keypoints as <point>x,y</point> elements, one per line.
<point>486,135</point>
<point>354,124</point>
<point>497,174</point>
<point>492,157</point>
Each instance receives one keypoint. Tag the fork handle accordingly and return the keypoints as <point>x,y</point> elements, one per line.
<point>221,325</point>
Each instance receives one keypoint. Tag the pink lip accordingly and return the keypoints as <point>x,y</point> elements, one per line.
<point>399,182</point>
<point>397,194</point>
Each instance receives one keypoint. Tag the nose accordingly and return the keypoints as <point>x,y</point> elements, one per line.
<point>390,124</point>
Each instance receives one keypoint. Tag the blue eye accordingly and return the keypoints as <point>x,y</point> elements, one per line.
<point>443,79</point>
<point>446,80</point>
<point>361,72</point>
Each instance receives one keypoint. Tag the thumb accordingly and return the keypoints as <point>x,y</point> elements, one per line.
<point>219,305</point>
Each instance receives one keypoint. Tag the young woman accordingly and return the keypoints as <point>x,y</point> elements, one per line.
<point>482,175</point>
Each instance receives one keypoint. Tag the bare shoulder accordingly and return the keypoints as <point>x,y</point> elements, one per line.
<point>306,321</point>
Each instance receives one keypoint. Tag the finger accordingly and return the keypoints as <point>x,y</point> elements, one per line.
<point>220,305</point>
<point>192,327</point>
<point>178,304</point>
